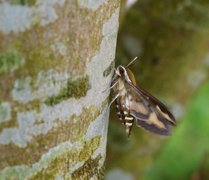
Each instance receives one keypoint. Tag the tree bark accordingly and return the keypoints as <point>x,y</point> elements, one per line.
<point>56,59</point>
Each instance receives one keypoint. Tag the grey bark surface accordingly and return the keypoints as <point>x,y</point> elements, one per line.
<point>56,59</point>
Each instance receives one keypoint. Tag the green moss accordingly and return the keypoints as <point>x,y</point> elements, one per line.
<point>89,169</point>
<point>5,112</point>
<point>61,165</point>
<point>10,61</point>
<point>76,89</point>
<point>109,69</point>
<point>23,2</point>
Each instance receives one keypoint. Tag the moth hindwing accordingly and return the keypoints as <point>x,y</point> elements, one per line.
<point>133,103</point>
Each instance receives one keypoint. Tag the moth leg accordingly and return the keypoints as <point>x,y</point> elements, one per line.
<point>110,87</point>
<point>113,100</point>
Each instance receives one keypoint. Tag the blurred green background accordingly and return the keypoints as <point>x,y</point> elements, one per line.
<point>171,40</point>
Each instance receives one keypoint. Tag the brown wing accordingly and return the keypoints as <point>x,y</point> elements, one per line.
<point>161,106</point>
<point>149,112</point>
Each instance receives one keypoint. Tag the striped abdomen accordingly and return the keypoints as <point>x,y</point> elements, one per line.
<point>124,115</point>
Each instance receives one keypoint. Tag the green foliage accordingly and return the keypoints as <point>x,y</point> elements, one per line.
<point>184,153</point>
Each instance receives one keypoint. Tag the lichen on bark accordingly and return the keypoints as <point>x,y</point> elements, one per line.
<point>52,107</point>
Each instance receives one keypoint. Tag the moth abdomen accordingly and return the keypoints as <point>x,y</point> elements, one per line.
<point>124,115</point>
<point>128,120</point>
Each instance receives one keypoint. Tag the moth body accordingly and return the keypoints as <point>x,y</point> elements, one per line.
<point>123,102</point>
<point>135,104</point>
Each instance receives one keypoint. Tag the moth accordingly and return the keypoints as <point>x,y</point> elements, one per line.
<point>133,103</point>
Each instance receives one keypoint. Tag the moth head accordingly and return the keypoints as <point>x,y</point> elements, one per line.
<point>126,74</point>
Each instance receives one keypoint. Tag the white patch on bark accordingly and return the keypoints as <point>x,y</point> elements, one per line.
<point>50,83</point>
<point>47,84</point>
<point>5,112</point>
<point>59,47</point>
<point>19,18</point>
<point>22,91</point>
<point>91,4</point>
<point>14,18</point>
<point>97,128</point>
<point>20,136</point>
<point>45,11</point>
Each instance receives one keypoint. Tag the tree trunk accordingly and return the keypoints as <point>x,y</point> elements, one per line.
<point>56,59</point>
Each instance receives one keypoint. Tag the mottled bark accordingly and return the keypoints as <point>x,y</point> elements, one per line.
<point>56,59</point>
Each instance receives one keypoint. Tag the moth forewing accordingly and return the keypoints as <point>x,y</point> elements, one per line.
<point>157,118</point>
<point>159,106</point>
<point>134,103</point>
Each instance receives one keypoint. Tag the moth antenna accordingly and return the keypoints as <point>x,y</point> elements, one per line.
<point>132,62</point>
